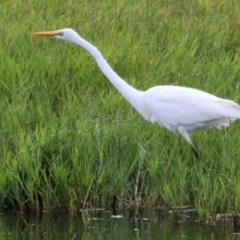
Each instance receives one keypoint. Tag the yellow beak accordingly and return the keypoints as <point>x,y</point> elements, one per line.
<point>46,34</point>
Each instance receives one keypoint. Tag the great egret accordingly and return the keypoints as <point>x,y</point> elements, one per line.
<point>181,110</point>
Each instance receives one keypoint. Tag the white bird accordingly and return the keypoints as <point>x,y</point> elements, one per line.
<point>181,110</point>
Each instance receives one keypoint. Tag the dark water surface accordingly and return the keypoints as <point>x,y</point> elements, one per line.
<point>99,224</point>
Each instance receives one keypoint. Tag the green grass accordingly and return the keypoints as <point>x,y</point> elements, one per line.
<point>69,140</point>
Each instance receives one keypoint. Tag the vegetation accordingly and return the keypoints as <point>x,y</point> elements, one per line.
<point>69,140</point>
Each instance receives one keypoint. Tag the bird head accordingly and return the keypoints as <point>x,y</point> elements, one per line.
<point>67,34</point>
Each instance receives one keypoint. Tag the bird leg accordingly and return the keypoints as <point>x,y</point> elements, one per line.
<point>194,151</point>
<point>197,156</point>
<point>184,134</point>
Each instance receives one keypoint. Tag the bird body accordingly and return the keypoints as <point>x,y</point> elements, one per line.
<point>183,110</point>
<point>178,109</point>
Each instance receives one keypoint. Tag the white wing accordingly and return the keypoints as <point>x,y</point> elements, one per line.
<point>173,107</point>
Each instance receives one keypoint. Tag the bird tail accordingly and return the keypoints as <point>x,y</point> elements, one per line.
<point>229,112</point>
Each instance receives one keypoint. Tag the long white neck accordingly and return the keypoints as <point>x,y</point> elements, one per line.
<point>132,95</point>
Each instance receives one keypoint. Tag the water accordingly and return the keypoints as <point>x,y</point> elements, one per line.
<point>99,224</point>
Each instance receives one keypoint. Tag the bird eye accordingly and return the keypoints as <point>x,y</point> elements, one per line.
<point>60,33</point>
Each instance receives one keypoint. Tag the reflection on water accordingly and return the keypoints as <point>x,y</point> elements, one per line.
<point>99,224</point>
